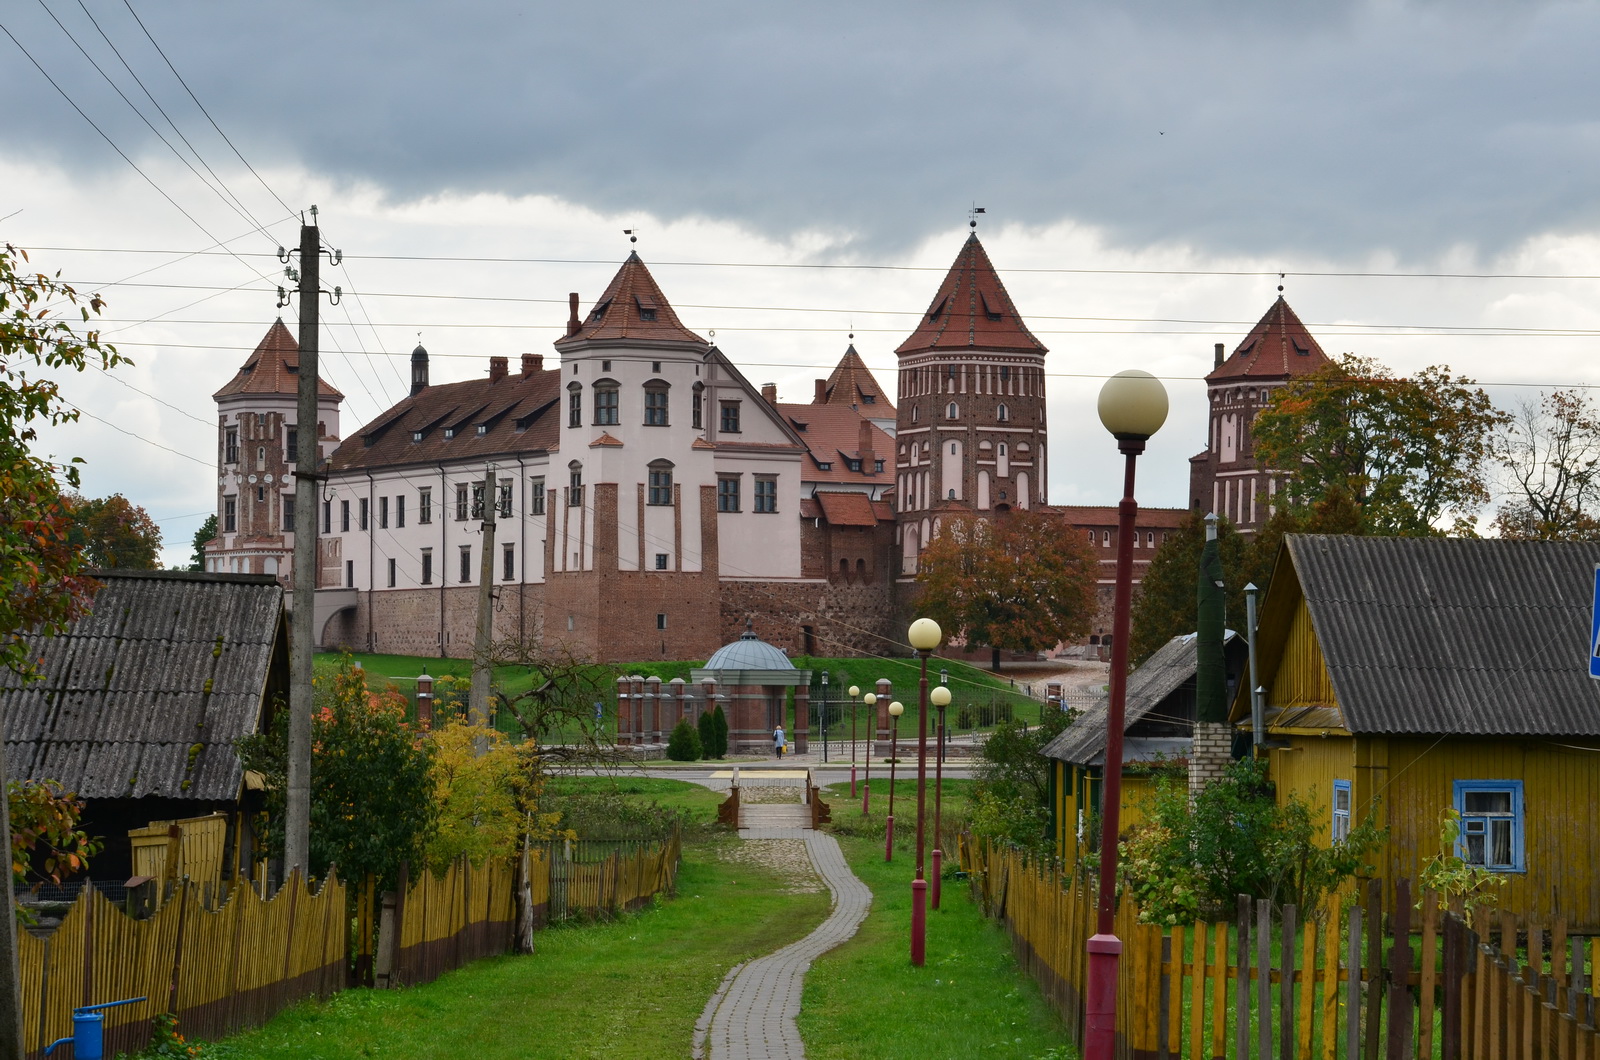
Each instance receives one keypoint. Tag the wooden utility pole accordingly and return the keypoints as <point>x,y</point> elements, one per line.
<point>483,640</point>
<point>10,973</point>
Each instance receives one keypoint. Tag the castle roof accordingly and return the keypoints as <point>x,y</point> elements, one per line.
<point>832,434</point>
<point>971,311</point>
<point>274,368</point>
<point>1278,347</point>
<point>631,309</point>
<point>852,383</point>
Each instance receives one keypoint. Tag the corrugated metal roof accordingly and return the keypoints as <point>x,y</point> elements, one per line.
<point>1449,636</point>
<point>1085,739</point>
<point>164,665</point>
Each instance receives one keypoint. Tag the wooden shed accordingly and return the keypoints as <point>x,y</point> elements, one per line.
<point>140,702</point>
<point>1409,676</point>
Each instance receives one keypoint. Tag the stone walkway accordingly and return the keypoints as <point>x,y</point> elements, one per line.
<point>751,1016</point>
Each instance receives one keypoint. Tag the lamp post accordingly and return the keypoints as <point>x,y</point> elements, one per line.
<point>1133,406</point>
<point>944,733</point>
<point>855,690</point>
<point>871,700</point>
<point>895,710</point>
<point>824,715</point>
<point>939,697</point>
<point>924,636</point>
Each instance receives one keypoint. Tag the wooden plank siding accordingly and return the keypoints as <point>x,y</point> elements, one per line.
<point>1077,788</point>
<point>1302,678</point>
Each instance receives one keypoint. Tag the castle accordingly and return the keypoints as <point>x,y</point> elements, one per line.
<point>650,499</point>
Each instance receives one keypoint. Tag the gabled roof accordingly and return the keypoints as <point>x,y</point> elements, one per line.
<point>847,509</point>
<point>146,694</point>
<point>852,383</point>
<point>631,309</point>
<point>971,311</point>
<point>274,368</point>
<point>1444,636</point>
<point>1174,663</point>
<point>519,413</point>
<point>832,434</point>
<point>1278,347</point>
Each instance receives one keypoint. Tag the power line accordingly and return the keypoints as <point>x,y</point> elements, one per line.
<point>142,438</point>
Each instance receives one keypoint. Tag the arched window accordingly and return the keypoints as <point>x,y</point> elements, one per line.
<point>951,411</point>
<point>574,404</point>
<point>913,414</point>
<point>575,484</point>
<point>955,448</point>
<point>1002,413</point>
<point>1002,449</point>
<point>1105,539</point>
<point>655,403</point>
<point>660,482</point>
<point>607,403</point>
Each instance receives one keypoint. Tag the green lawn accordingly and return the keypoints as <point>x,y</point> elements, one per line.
<point>698,801</point>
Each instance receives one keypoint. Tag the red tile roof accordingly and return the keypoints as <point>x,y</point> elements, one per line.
<point>632,308</point>
<point>607,440</point>
<point>852,383</point>
<point>274,368</point>
<point>848,509</point>
<point>1106,515</point>
<point>1279,347</point>
<point>520,414</point>
<point>971,310</point>
<point>832,434</point>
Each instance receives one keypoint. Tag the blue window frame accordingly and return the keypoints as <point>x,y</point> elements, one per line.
<point>1341,810</point>
<point>1491,824</point>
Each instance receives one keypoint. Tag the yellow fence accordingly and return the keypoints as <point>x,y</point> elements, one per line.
<point>220,970</point>
<point>195,851</point>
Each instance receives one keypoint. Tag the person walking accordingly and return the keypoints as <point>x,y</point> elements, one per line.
<point>777,740</point>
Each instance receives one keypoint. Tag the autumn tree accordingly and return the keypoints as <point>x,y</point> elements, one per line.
<point>1548,454</point>
<point>488,804</point>
<point>207,531</point>
<point>1020,581</point>
<point>555,704</point>
<point>1411,454</point>
<point>113,533</point>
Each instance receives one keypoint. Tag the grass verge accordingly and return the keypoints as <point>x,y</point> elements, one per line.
<point>632,988</point>
<point>970,999</point>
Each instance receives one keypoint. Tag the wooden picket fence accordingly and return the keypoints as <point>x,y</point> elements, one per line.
<point>590,878</point>
<point>445,922</point>
<point>1344,982</point>
<point>219,970</point>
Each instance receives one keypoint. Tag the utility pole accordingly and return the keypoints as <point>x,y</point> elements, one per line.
<point>10,973</point>
<point>478,701</point>
<point>308,454</point>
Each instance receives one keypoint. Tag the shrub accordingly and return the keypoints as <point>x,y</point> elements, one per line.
<point>684,744</point>
<point>706,726</point>
<point>721,749</point>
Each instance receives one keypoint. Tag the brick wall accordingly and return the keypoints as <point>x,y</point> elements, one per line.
<point>1210,754</point>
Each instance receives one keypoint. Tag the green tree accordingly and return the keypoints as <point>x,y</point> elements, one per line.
<point>706,726</point>
<point>45,837</point>
<point>487,790</point>
<point>1016,581</point>
<point>684,743</point>
<point>207,531</point>
<point>1011,799</point>
<point>1409,453</point>
<point>721,719</point>
<point>371,779</point>
<point>114,534</point>
<point>1549,459</point>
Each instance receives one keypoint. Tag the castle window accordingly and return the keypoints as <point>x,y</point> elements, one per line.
<point>853,464</point>
<point>661,620</point>
<point>575,485</point>
<point>230,515</point>
<point>349,574</point>
<point>508,563</point>
<point>400,510</point>
<point>697,416</point>
<point>954,447</point>
<point>427,566</point>
<point>477,500</point>
<point>536,496</point>
<point>261,456</point>
<point>466,564</point>
<point>1149,539</point>
<point>660,482</point>
<point>361,510</point>
<point>869,399</point>
<point>951,411</point>
<point>261,494</point>
<point>1005,373</point>
<point>606,402</point>
<point>291,444</point>
<point>605,366</point>
<point>327,517</point>
<point>877,467</point>
<point>661,561</point>
<point>913,414</point>
<point>1002,414</point>
<point>727,493</point>
<point>483,428</point>
<point>655,405</point>
<point>383,513</point>
<point>1105,539</point>
<point>574,403</point>
<point>655,367</point>
<point>449,432</point>
<point>344,517</point>
<point>230,445</point>
<point>730,418</point>
<point>461,502</point>
<point>391,572</point>
<point>425,506</point>
<point>766,493</point>
<point>505,499</point>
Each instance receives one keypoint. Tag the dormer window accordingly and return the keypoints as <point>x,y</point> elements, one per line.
<point>600,310</point>
<point>854,465</point>
<point>483,428</point>
<point>938,308</point>
<point>416,436</point>
<point>647,308</point>
<point>869,399</point>
<point>449,432</point>
<point>991,311</point>
<point>824,465</point>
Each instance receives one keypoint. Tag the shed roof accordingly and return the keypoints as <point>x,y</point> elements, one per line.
<point>1446,636</point>
<point>146,694</point>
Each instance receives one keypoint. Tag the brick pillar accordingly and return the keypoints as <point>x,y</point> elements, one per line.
<point>425,700</point>
<point>885,694</point>
<point>653,704</point>
<point>641,719</point>
<point>1210,754</point>
<point>680,702</point>
<point>624,722</point>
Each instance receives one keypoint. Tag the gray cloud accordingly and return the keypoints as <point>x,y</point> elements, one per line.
<point>1246,126</point>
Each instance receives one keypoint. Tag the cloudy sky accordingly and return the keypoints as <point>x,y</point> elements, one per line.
<point>1423,174</point>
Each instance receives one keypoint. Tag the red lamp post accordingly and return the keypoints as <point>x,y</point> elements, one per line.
<point>871,700</point>
<point>895,710</point>
<point>939,697</point>
<point>1133,406</point>
<point>855,690</point>
<point>924,636</point>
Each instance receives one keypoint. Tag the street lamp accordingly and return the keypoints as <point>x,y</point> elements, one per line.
<point>939,697</point>
<point>855,690</point>
<point>1133,406</point>
<point>824,715</point>
<point>871,701</point>
<point>944,734</point>
<point>895,710</point>
<point>924,636</point>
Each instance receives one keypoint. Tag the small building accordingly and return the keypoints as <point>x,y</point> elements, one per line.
<point>141,700</point>
<point>1158,729</point>
<point>1410,676</point>
<point>752,680</point>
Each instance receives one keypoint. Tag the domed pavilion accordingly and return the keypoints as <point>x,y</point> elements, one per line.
<point>752,679</point>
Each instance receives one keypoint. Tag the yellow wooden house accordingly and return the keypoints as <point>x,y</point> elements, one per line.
<point>1158,726</point>
<point>1409,676</point>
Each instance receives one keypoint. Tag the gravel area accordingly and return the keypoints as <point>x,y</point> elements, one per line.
<point>786,857</point>
<point>767,795</point>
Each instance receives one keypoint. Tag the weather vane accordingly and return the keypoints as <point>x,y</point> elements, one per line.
<point>972,215</point>
<point>629,233</point>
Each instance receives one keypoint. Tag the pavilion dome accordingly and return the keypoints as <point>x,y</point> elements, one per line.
<point>749,652</point>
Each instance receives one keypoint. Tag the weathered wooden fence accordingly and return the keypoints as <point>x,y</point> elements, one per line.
<point>442,923</point>
<point>1346,982</point>
<point>592,878</point>
<point>219,970</point>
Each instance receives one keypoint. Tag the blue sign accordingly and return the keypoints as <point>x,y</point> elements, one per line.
<point>1594,628</point>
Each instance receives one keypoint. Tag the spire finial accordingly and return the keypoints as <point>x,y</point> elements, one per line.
<point>1280,283</point>
<point>629,232</point>
<point>972,216</point>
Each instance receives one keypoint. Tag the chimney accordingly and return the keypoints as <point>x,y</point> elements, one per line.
<point>497,369</point>
<point>1219,356</point>
<point>769,391</point>
<point>821,397</point>
<point>869,459</point>
<point>574,325</point>
<point>419,370</point>
<point>532,362</point>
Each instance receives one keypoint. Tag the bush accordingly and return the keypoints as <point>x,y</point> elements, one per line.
<point>684,744</point>
<point>721,748</point>
<point>706,726</point>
